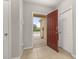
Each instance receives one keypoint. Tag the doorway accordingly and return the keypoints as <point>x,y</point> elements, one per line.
<point>39,31</point>
<point>48,33</point>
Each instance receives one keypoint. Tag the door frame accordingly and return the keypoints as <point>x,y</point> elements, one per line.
<point>37,14</point>
<point>9,30</point>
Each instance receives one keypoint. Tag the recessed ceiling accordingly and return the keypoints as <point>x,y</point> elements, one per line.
<point>44,2</point>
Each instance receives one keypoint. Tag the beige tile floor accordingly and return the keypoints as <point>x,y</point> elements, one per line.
<point>37,41</point>
<point>41,51</point>
<point>44,53</point>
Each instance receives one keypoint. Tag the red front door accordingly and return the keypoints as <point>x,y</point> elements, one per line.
<point>52,30</point>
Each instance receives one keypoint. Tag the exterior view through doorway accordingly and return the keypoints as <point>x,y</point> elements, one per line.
<point>39,31</point>
<point>47,34</point>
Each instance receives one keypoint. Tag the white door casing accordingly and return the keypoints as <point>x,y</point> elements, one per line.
<point>5,29</point>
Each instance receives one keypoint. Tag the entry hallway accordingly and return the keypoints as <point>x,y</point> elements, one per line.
<point>41,51</point>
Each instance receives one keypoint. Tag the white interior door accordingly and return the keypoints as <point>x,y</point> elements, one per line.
<point>5,30</point>
<point>60,25</point>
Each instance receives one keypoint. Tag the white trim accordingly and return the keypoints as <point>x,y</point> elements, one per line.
<point>51,11</point>
<point>19,57</point>
<point>32,30</point>
<point>65,11</point>
<point>16,58</point>
<point>21,54</point>
<point>73,56</point>
<point>28,47</point>
<point>69,53</point>
<point>9,51</point>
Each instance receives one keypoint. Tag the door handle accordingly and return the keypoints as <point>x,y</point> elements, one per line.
<point>6,34</point>
<point>59,32</point>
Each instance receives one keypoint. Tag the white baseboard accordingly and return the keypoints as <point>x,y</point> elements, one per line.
<point>19,57</point>
<point>70,53</point>
<point>22,53</point>
<point>16,58</point>
<point>73,56</point>
<point>28,47</point>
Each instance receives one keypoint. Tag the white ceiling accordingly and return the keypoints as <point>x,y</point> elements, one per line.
<point>44,2</point>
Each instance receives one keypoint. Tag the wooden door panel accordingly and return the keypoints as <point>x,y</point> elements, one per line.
<point>52,30</point>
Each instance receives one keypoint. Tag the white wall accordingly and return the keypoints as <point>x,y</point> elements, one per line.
<point>66,27</point>
<point>65,4</point>
<point>16,26</point>
<point>21,27</point>
<point>27,27</point>
<point>74,27</point>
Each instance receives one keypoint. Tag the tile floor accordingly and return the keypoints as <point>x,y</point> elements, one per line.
<point>41,51</point>
<point>44,53</point>
<point>37,41</point>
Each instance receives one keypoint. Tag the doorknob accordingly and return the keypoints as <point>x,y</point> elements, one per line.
<point>6,34</point>
<point>60,32</point>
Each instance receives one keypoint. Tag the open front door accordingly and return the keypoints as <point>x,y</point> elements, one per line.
<point>52,30</point>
